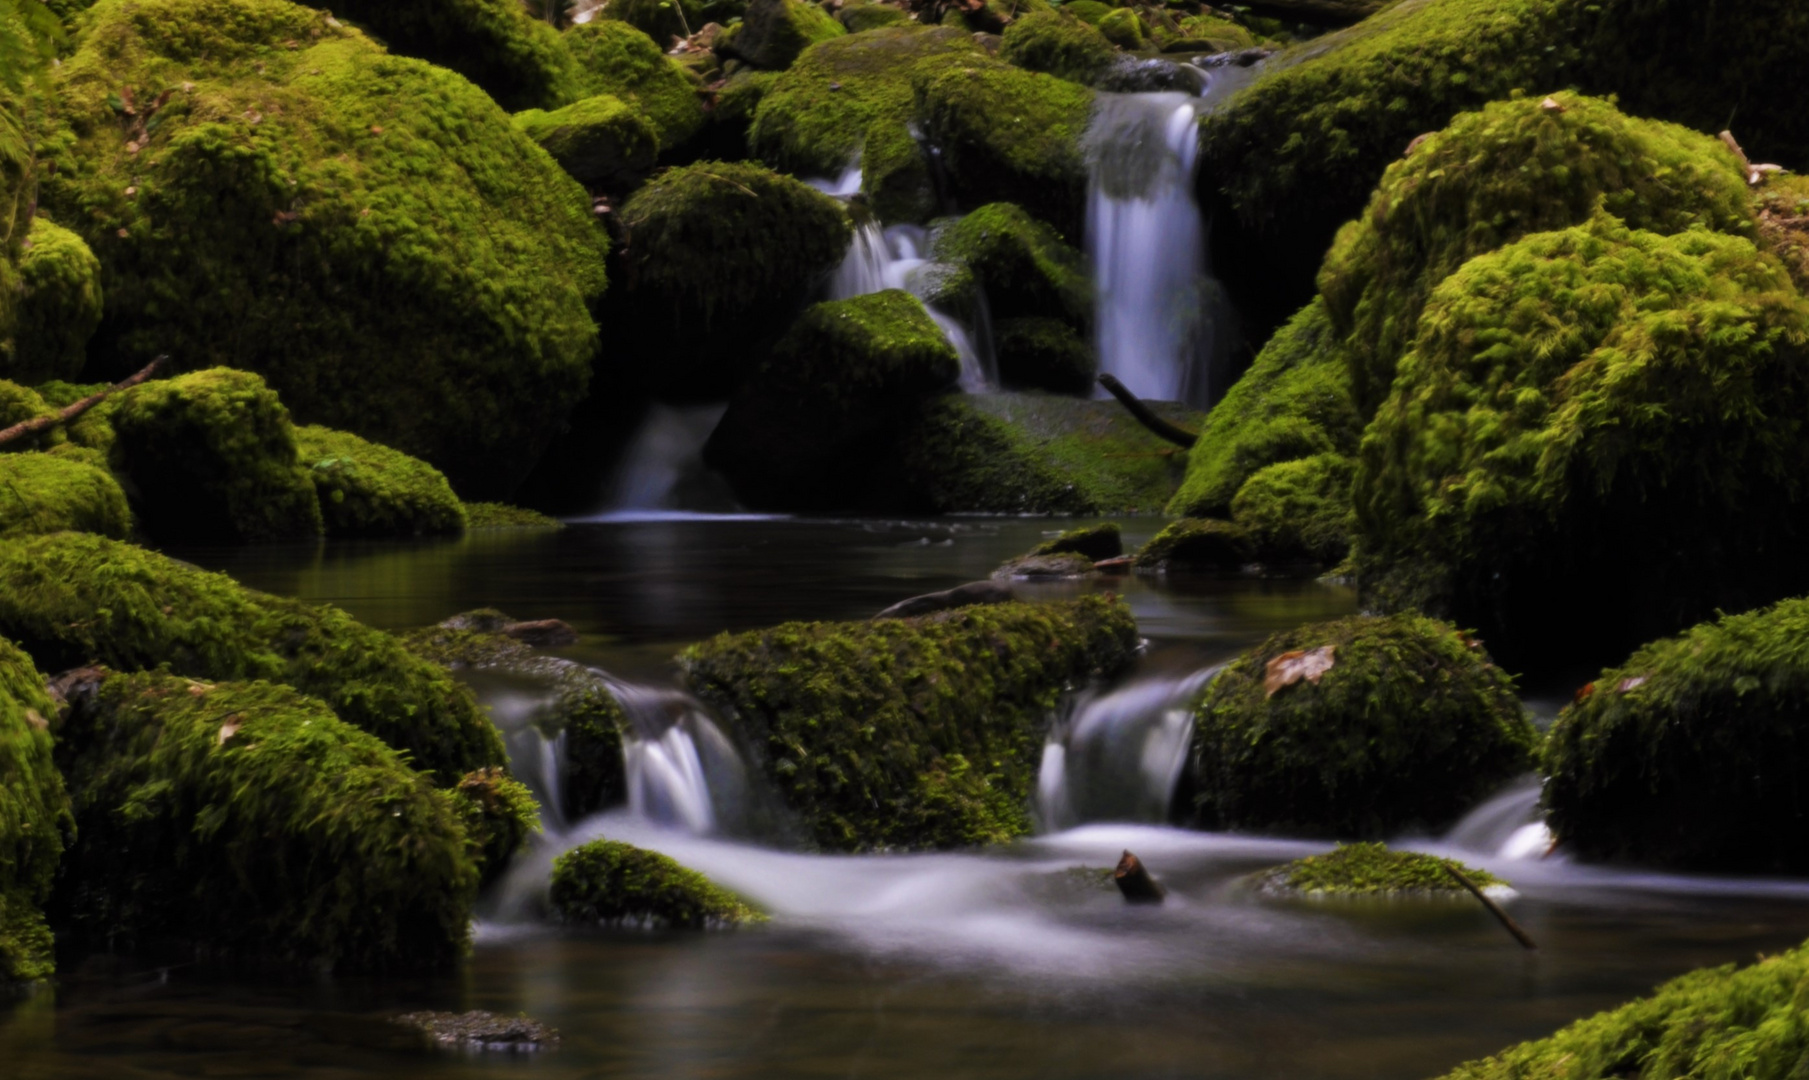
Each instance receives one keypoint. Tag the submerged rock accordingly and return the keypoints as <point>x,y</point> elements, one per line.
<point>606,881</point>
<point>1102,541</point>
<point>35,820</point>
<point>490,515</point>
<point>482,1031</point>
<point>367,490</point>
<point>1371,870</point>
<point>46,493</point>
<point>1197,544</point>
<point>974,592</point>
<point>1149,75</point>
<point>1063,566</point>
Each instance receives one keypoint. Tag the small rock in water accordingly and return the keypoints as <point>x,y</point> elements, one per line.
<point>482,1031</point>
<point>1062,567</point>
<point>542,632</point>
<point>974,592</point>
<point>1131,75</point>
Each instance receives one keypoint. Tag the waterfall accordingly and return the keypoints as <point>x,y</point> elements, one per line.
<point>1507,826</point>
<point>663,468</point>
<point>682,770</point>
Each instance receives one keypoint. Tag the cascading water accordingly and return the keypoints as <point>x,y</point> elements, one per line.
<point>663,469</point>
<point>1507,826</point>
<point>682,770</point>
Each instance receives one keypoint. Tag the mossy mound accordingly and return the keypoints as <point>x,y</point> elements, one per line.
<point>1056,43</point>
<point>1686,755</point>
<point>47,493</point>
<point>857,18</point>
<point>73,599</point>
<point>660,20</point>
<point>1298,510</point>
<point>606,881</point>
<point>91,430</point>
<point>774,32</point>
<point>1124,29</point>
<point>249,821</point>
<point>1747,1021</point>
<point>616,59</point>
<point>850,99</point>
<point>504,516</point>
<point>370,233</point>
<point>1029,453</point>
<point>1371,870</point>
<point>1356,728</point>
<point>1588,412</point>
<point>1044,354</point>
<point>21,403</point>
<point>1102,541</point>
<point>496,44</point>
<point>210,457</point>
<point>35,819</point>
<point>1491,177</point>
<point>59,305</point>
<point>909,733</point>
<point>600,141</point>
<point>370,490</point>
<point>814,418</point>
<point>1198,544</point>
<point>1025,267</point>
<point>499,814</point>
<point>1204,33</point>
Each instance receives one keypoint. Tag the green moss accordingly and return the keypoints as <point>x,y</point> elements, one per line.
<point>616,59</point>
<point>1293,403</point>
<point>46,493</point>
<point>1024,265</point>
<point>1591,411</point>
<point>1410,727</point>
<point>1494,176</point>
<point>1057,43</point>
<point>516,58</point>
<point>1102,541</point>
<point>1206,33</point>
<point>248,820</point>
<point>1298,510</point>
<point>35,819</point>
<point>370,233</point>
<point>92,430</point>
<point>1371,869</point>
<point>600,141</point>
<point>909,733</point>
<point>774,32</point>
<point>1198,544</point>
<point>72,599</point>
<point>211,457</point>
<point>1124,29</point>
<point>1686,753</point>
<point>1043,354</point>
<point>660,20</point>
<point>504,516</point>
<point>370,490</point>
<point>606,881</point>
<point>499,814</point>
<point>850,99</point>
<point>1722,1021</point>
<point>1088,11</point>
<point>857,18</point>
<point>19,404</point>
<point>59,307</point>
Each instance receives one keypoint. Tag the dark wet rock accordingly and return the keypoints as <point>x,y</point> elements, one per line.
<point>1061,566</point>
<point>974,592</point>
<point>542,633</point>
<point>1239,58</point>
<point>1102,541</point>
<point>482,1031</point>
<point>1144,75</point>
<point>1198,544</point>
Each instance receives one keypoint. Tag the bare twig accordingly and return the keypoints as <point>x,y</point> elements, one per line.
<point>70,412</point>
<point>1489,902</point>
<point>1161,428</point>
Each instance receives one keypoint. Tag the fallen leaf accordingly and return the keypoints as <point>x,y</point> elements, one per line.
<point>230,727</point>
<point>36,721</point>
<point>1633,682</point>
<point>1551,105</point>
<point>376,129</point>
<point>1583,694</point>
<point>1291,667</point>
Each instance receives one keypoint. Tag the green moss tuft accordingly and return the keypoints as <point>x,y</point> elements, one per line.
<point>857,18</point>
<point>59,305</point>
<point>1371,869</point>
<point>606,881</point>
<point>517,59</point>
<point>92,430</point>
<point>1024,265</point>
<point>47,493</point>
<point>1102,541</point>
<point>774,32</point>
<point>35,820</point>
<point>504,516</point>
<point>1057,43</point>
<point>1204,33</point>
<point>370,490</point>
<point>659,20</point>
<point>1196,544</point>
<point>19,404</point>
<point>499,813</point>
<point>1124,29</point>
<point>1409,727</point>
<point>1298,510</point>
<point>600,141</point>
<point>616,59</point>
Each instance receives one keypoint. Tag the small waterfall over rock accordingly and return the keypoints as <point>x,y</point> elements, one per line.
<point>1507,826</point>
<point>682,770</point>
<point>662,473</point>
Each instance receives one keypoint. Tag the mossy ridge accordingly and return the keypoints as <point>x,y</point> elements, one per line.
<point>1722,1021</point>
<point>48,493</point>
<point>36,823</point>
<point>1298,510</point>
<point>1372,869</point>
<point>1685,754</point>
<point>71,599</point>
<point>250,821</point>
<point>1597,408</point>
<point>909,733</point>
<point>370,232</point>
<point>1056,43</point>
<point>1409,727</point>
<point>517,59</point>
<point>369,490</point>
<point>607,881</point>
<point>59,306</point>
<point>490,515</point>
<point>616,59</point>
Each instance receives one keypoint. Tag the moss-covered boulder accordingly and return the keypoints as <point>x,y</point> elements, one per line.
<point>1124,29</point>
<point>773,32</point>
<point>247,820</point>
<point>858,17</point>
<point>504,516</point>
<point>1198,544</point>
<point>1371,870</point>
<point>92,430</point>
<point>59,305</point>
<point>1298,511</point>
<point>72,599</point>
<point>1686,754</point>
<point>370,233</point>
<point>1588,412</point>
<point>496,44</point>
<point>606,881</point>
<point>499,814</point>
<point>1102,541</point>
<point>21,403</point>
<point>1356,728</point>
<point>1203,33</point>
<point>369,490</point>
<point>35,819</point>
<point>1044,354</point>
<point>813,420</point>
<point>616,59</point>
<point>47,493</point>
<point>1025,267</point>
<point>1748,1019</point>
<point>909,733</point>
<point>600,141</point>
<point>659,20</point>
<point>850,99</point>
<point>1057,43</point>
<point>211,457</point>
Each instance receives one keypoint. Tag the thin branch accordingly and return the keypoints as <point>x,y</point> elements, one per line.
<point>1489,902</point>
<point>70,412</point>
<point>1161,428</point>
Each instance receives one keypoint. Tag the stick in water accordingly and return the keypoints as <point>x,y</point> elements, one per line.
<point>70,412</point>
<point>1134,882</point>
<point>1161,428</point>
<point>1494,909</point>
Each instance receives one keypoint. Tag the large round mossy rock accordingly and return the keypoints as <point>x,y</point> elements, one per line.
<point>499,814</point>
<point>1587,413</point>
<point>1687,754</point>
<point>270,190</point>
<point>601,141</point>
<point>1690,1026</point>
<point>1298,511</point>
<point>1056,43</point>
<point>210,457</point>
<point>367,490</point>
<point>811,422</point>
<point>659,20</point>
<point>46,493</point>
<point>248,821</point>
<point>35,819</point>
<point>773,33</point>
<point>59,306</point>
<point>616,59</point>
<point>1357,728</point>
<point>909,733</point>
<point>1197,544</point>
<point>72,598</point>
<point>517,59</point>
<point>607,881</point>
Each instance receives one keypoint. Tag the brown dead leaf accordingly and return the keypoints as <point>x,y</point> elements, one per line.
<point>1552,105</point>
<point>36,721</point>
<point>230,727</point>
<point>1291,667</point>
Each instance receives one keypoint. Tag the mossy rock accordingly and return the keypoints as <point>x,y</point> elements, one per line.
<point>1685,754</point>
<point>496,44</point>
<point>1060,566</point>
<point>1293,403</point>
<point>1588,412</point>
<point>909,733</point>
<point>858,18</point>
<point>370,233</point>
<point>660,20</point>
<point>1124,29</point>
<point>59,305</point>
<point>72,599</point>
<point>1025,267</point>
<point>1102,541</point>
<point>1088,11</point>
<point>616,59</point>
<point>92,430</point>
<point>1206,33</point>
<point>1057,43</point>
<point>499,814</point>
<point>813,420</point>
<point>774,32</point>
<point>1298,511</point>
<point>35,819</point>
<point>1198,544</point>
<point>248,821</point>
<point>1691,1026</point>
<point>1044,354</point>
<point>600,141</point>
<point>850,99</point>
<point>606,881</point>
<point>1366,870</point>
<point>21,403</point>
<point>1357,728</point>
<point>504,516</point>
<point>210,457</point>
<point>372,491</point>
<point>47,493</point>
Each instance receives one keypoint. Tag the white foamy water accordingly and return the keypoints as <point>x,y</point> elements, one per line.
<point>892,258</point>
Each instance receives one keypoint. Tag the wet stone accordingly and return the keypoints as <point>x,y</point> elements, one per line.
<point>482,1032</point>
